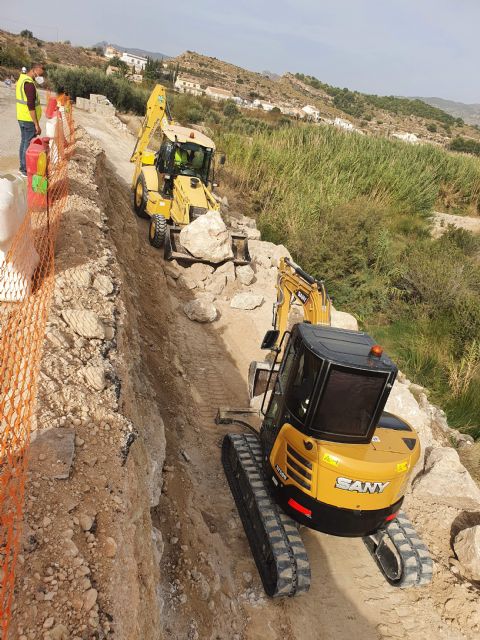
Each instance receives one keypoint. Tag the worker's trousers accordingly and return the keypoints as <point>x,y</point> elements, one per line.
<point>27,130</point>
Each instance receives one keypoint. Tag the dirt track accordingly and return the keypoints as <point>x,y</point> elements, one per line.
<point>209,585</point>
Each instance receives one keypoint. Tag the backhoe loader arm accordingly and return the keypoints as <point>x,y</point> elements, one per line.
<point>154,116</point>
<point>294,283</point>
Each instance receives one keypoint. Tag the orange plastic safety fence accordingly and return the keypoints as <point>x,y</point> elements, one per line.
<point>26,286</point>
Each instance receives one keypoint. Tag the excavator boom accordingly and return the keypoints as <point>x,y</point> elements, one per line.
<point>293,283</point>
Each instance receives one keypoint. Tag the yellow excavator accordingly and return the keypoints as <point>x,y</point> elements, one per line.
<point>324,453</point>
<point>172,187</point>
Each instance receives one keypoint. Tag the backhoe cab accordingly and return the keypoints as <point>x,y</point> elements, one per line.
<point>172,186</point>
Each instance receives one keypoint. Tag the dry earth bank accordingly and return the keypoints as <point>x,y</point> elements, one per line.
<point>114,550</point>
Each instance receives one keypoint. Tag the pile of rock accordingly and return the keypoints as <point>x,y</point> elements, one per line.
<point>96,103</point>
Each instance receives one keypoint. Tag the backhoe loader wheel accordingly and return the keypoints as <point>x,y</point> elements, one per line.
<point>157,231</point>
<point>140,198</point>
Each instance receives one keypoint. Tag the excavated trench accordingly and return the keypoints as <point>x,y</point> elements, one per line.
<point>183,371</point>
<point>208,582</point>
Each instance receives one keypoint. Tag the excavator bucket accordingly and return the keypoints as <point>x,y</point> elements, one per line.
<point>173,249</point>
<point>261,377</point>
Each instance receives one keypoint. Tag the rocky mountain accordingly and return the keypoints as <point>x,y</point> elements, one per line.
<point>468,112</point>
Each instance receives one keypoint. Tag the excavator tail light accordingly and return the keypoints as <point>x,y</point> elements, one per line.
<point>376,351</point>
<point>391,517</point>
<point>300,508</point>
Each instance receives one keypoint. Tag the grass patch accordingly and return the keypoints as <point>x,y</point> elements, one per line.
<point>354,210</point>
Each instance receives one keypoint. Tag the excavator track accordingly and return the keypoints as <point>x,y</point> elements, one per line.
<point>273,536</point>
<point>402,557</point>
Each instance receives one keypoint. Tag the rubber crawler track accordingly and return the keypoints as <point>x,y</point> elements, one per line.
<point>273,536</point>
<point>416,564</point>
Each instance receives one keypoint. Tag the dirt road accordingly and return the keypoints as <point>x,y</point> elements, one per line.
<point>209,581</point>
<point>209,585</point>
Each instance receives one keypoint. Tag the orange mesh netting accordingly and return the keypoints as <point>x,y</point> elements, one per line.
<point>26,286</point>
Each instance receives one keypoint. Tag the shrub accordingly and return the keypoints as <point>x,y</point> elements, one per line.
<point>432,127</point>
<point>230,109</point>
<point>13,56</point>
<point>465,145</point>
<point>193,115</point>
<point>82,82</point>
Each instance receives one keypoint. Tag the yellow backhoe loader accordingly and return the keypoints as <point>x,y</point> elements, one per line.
<point>324,453</point>
<point>172,186</point>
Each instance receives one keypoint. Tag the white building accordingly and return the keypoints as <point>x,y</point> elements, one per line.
<point>111,52</point>
<point>218,94</point>
<point>188,85</point>
<point>343,124</point>
<point>260,104</point>
<point>407,137</point>
<point>294,112</point>
<point>137,63</point>
<point>312,113</point>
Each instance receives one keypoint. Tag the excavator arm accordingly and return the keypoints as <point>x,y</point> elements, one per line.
<point>295,284</point>
<point>154,116</point>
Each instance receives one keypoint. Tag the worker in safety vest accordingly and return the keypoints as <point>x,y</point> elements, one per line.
<point>181,157</point>
<point>197,160</point>
<point>29,110</point>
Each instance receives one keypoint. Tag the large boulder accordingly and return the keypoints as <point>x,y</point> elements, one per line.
<point>245,274</point>
<point>200,310</point>
<point>467,548</point>
<point>217,284</point>
<point>252,234</point>
<point>403,404</point>
<point>85,323</point>
<point>343,320</point>
<point>200,271</point>
<point>195,276</point>
<point>267,254</point>
<point>228,269</point>
<point>446,481</point>
<point>246,300</point>
<point>208,238</point>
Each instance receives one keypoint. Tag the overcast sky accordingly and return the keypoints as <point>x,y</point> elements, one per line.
<point>401,47</point>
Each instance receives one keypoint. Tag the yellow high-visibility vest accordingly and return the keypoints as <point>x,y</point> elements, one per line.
<point>23,112</point>
<point>181,156</point>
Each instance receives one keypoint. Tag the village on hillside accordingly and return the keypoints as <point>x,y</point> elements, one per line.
<point>184,83</point>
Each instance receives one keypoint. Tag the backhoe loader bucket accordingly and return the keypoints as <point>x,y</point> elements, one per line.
<point>173,249</point>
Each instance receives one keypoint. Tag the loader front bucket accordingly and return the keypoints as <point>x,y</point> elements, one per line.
<point>173,249</point>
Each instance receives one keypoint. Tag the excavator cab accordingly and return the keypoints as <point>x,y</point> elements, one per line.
<point>332,385</point>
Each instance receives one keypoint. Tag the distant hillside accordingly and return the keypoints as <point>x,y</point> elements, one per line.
<point>17,51</point>
<point>155,55</point>
<point>468,112</point>
<point>379,115</point>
